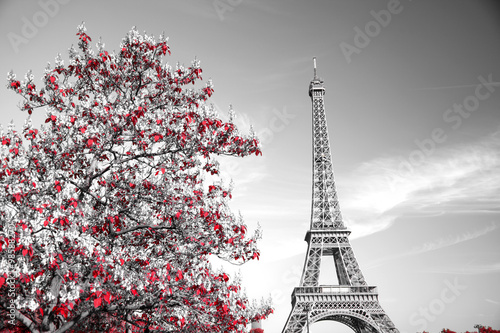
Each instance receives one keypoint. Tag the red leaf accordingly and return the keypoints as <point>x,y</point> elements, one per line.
<point>97,302</point>
<point>107,297</point>
<point>52,79</point>
<point>122,261</point>
<point>60,257</point>
<point>178,214</point>
<point>133,291</point>
<point>2,281</point>
<point>83,129</point>
<point>25,252</point>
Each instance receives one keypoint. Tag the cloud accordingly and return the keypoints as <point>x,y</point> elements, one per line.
<point>440,243</point>
<point>452,240</point>
<point>469,269</point>
<point>463,178</point>
<point>457,86</point>
<point>491,301</point>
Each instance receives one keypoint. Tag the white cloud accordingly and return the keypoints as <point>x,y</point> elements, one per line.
<point>465,178</point>
<point>491,301</point>
<point>469,269</point>
<point>452,240</point>
<point>439,243</point>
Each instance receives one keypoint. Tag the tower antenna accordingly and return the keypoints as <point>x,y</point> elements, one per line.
<point>314,61</point>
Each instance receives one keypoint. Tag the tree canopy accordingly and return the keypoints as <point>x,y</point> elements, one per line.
<point>111,210</point>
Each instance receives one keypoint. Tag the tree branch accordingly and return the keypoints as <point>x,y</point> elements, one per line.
<point>73,322</point>
<point>144,226</point>
<point>22,318</point>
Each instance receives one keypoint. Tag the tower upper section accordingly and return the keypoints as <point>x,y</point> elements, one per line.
<point>316,87</point>
<point>325,214</point>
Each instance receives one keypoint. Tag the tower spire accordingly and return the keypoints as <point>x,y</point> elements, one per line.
<point>314,61</point>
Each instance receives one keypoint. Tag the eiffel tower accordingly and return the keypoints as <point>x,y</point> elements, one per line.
<point>351,302</point>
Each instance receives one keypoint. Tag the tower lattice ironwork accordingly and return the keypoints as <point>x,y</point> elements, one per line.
<point>351,302</point>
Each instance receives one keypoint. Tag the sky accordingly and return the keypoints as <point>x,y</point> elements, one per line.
<point>412,102</point>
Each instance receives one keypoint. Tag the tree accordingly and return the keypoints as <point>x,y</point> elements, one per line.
<point>111,211</point>
<point>480,328</point>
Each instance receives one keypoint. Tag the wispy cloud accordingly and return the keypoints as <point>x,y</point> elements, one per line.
<point>457,86</point>
<point>463,178</point>
<point>468,269</point>
<point>440,243</point>
<point>452,240</point>
<point>491,301</point>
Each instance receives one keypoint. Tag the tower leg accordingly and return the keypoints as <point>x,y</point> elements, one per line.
<point>297,321</point>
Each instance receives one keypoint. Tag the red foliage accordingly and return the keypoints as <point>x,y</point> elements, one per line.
<point>256,330</point>
<point>480,328</point>
<point>106,220</point>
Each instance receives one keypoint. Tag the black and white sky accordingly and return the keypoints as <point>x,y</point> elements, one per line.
<point>412,101</point>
